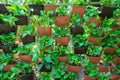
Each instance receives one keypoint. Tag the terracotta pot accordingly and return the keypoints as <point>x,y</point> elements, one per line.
<point>94,60</point>
<point>43,31</point>
<point>114,77</point>
<point>25,58</point>
<point>51,8</point>
<point>86,77</point>
<point>109,50</point>
<point>74,68</point>
<point>62,20</point>
<point>22,20</point>
<point>78,10</point>
<point>95,41</point>
<point>62,40</point>
<point>3,9</point>
<point>94,20</point>
<point>28,39</point>
<point>117,60</point>
<point>5,29</point>
<point>63,59</point>
<point>103,68</point>
<point>8,67</point>
<point>106,11</point>
<point>36,9</point>
<point>76,30</point>
<point>29,76</point>
<point>80,50</point>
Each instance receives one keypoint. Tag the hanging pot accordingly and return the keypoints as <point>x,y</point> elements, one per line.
<point>63,59</point>
<point>80,50</point>
<point>74,68</point>
<point>8,67</point>
<point>76,30</point>
<point>22,20</point>
<point>110,50</point>
<point>29,76</point>
<point>3,9</point>
<point>44,31</point>
<point>25,58</point>
<point>86,77</point>
<point>62,20</point>
<point>117,60</point>
<point>114,77</point>
<point>94,60</point>
<point>95,41</point>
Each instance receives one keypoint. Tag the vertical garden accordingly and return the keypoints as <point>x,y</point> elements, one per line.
<point>59,39</point>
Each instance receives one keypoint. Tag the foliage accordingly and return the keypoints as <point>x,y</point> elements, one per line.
<point>80,2</point>
<point>116,70</point>
<point>104,76</point>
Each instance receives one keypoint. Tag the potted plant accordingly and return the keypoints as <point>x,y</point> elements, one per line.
<point>76,22</point>
<point>79,7</point>
<point>61,35</point>
<point>63,17</point>
<point>102,76</point>
<point>115,75</point>
<point>7,61</point>
<point>7,23</point>
<point>35,6</point>
<point>20,12</point>
<point>105,64</point>
<point>117,56</point>
<point>92,16</point>
<point>80,43</point>
<point>26,33</point>
<point>74,63</point>
<point>8,42</point>
<point>46,23</point>
<point>93,53</point>
<point>90,72</point>
<point>44,76</point>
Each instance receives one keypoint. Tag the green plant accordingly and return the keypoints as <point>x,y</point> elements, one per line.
<point>67,2</point>
<point>80,40</point>
<point>116,70</point>
<point>45,76</point>
<point>37,1</point>
<point>76,20</point>
<point>51,1</point>
<point>8,19</point>
<point>63,10</point>
<point>117,52</point>
<point>80,2</point>
<point>104,76</point>
<point>4,1</point>
<point>95,32</point>
<point>116,13</point>
<point>61,31</point>
<point>94,50</point>
<point>17,10</point>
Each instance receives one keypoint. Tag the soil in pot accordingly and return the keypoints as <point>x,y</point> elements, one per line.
<point>76,30</point>
<point>62,40</point>
<point>109,50</point>
<point>29,76</point>
<point>86,77</point>
<point>94,60</point>
<point>8,67</point>
<point>114,77</point>
<point>62,20</point>
<point>3,9</point>
<point>105,68</point>
<point>35,9</point>
<point>28,39</point>
<point>78,10</point>
<point>43,31</point>
<point>25,58</point>
<point>22,20</point>
<point>80,50</point>
<point>117,60</point>
<point>73,68</point>
<point>94,20</point>
<point>5,29</point>
<point>95,41</point>
<point>106,11</point>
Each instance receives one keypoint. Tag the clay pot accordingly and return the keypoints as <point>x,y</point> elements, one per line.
<point>103,68</point>
<point>95,41</point>
<point>36,9</point>
<point>62,20</point>
<point>63,59</point>
<point>86,77</point>
<point>117,60</point>
<point>94,60</point>
<point>43,31</point>
<point>22,20</point>
<point>62,40</point>
<point>5,29</point>
<point>76,30</point>
<point>8,67</point>
<point>74,68</point>
<point>106,11</point>
<point>114,77</point>
<point>25,58</point>
<point>109,50</point>
<point>29,76</point>
<point>80,50</point>
<point>3,9</point>
<point>78,10</point>
<point>28,39</point>
<point>94,20</point>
